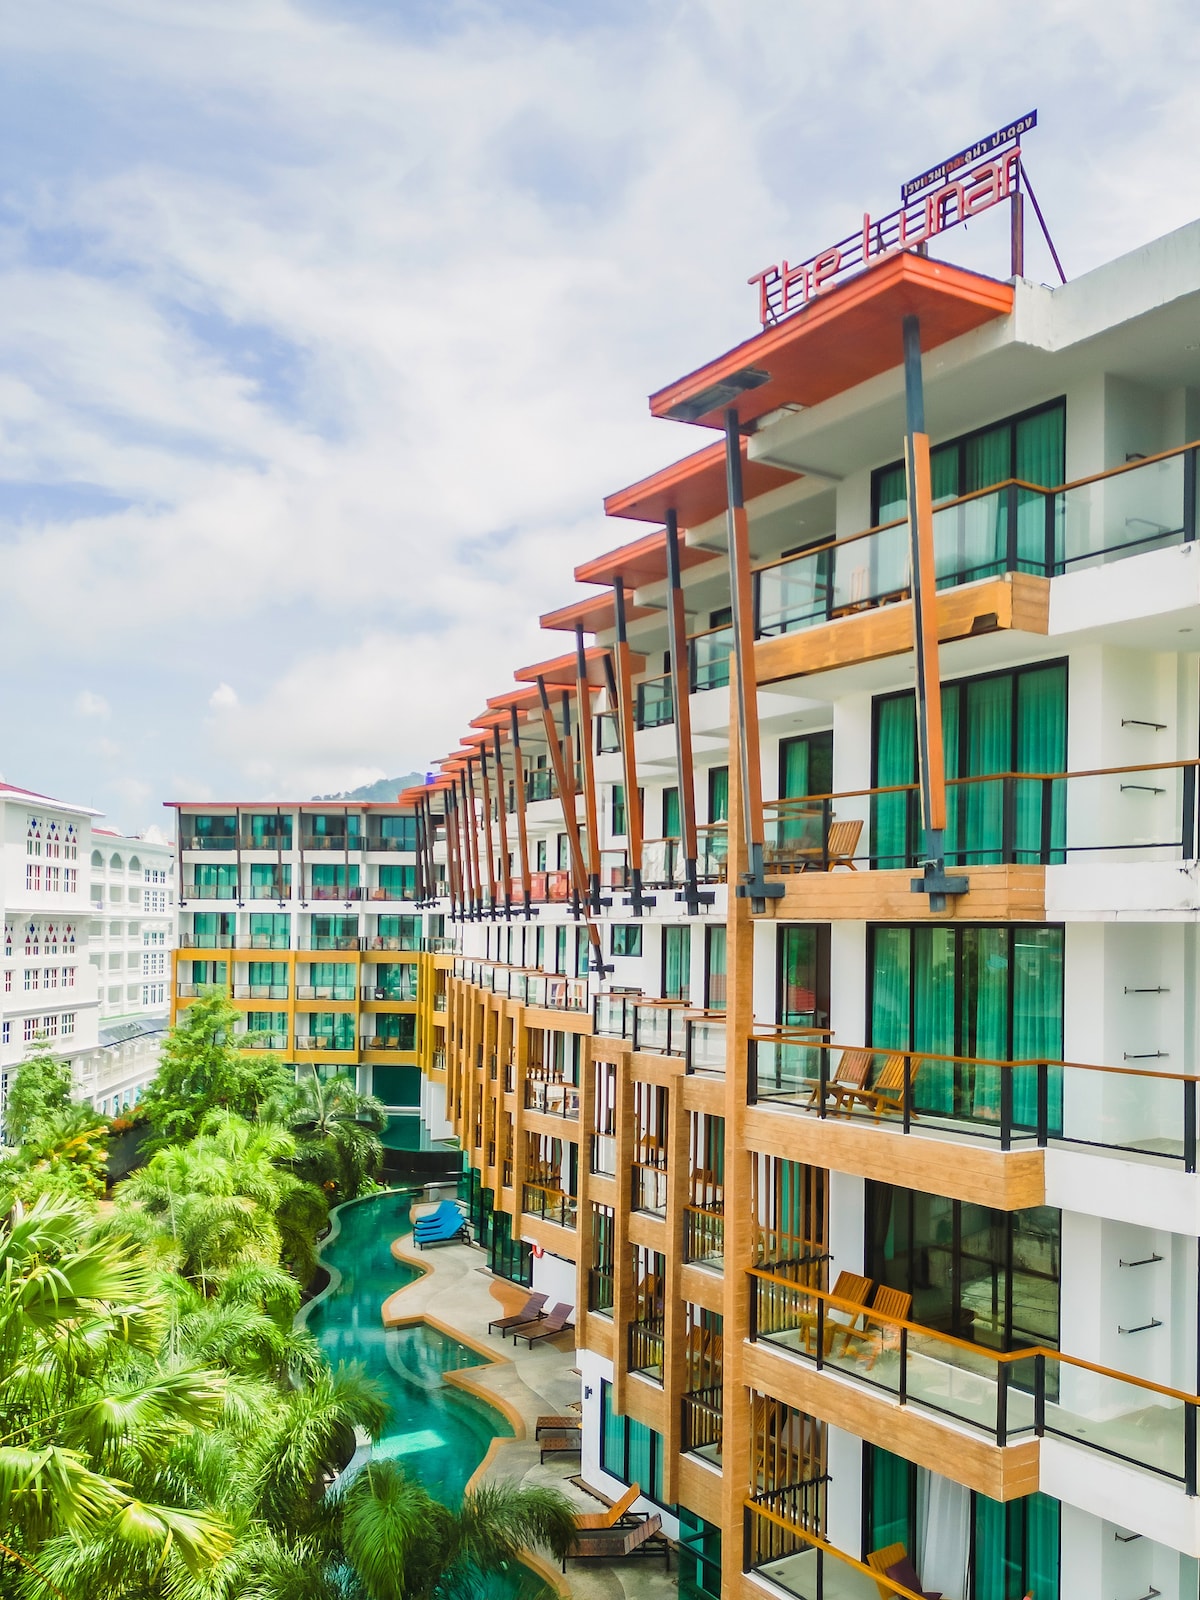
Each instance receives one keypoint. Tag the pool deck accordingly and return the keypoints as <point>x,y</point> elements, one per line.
<point>458,1294</point>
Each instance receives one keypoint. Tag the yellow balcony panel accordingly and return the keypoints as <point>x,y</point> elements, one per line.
<point>1007,1180</point>
<point>1019,601</point>
<point>702,1286</point>
<point>997,893</point>
<point>1002,1472</point>
<point>560,1241</point>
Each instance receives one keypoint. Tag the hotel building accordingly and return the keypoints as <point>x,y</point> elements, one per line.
<point>830,1050</point>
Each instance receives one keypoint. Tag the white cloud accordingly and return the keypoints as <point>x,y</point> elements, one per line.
<point>360,335</point>
<point>88,704</point>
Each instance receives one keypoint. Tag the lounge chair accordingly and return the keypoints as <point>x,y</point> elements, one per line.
<point>444,1227</point>
<point>618,1512</point>
<point>611,1544</point>
<point>529,1312</point>
<point>893,1562</point>
<point>438,1217</point>
<point>852,1071</point>
<point>557,1425</point>
<point>567,1443</point>
<point>887,1091</point>
<point>850,1286</point>
<point>558,1321</point>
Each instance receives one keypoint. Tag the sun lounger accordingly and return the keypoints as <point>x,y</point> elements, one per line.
<point>557,1425</point>
<point>445,1226</point>
<point>611,1544</point>
<point>837,1319</point>
<point>893,1562</point>
<point>529,1312</point>
<point>567,1443</point>
<point>619,1511</point>
<point>557,1322</point>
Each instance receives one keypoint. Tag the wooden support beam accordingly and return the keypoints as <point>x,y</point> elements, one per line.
<point>522,826</point>
<point>588,763</point>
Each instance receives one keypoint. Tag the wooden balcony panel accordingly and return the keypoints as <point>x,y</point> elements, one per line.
<point>546,1017</point>
<point>646,1402</point>
<point>1019,601</point>
<point>703,1093</point>
<point>997,894</point>
<point>646,1229</point>
<point>981,1173</point>
<point>647,1066</point>
<point>699,1487</point>
<point>702,1287</point>
<point>598,1335</point>
<point>560,1241</point>
<point>1001,1473</point>
<point>564,1128</point>
<point>606,1048</point>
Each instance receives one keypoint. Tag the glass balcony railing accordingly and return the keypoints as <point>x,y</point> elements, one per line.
<point>549,1204</point>
<point>662,863</point>
<point>326,842</point>
<point>552,1098</point>
<point>608,738</point>
<point>650,1188</point>
<point>1145,813</point>
<point>1010,527</point>
<point>1138,1111</point>
<point>540,785</point>
<point>1001,1395</point>
<point>654,703</point>
<point>600,1290</point>
<point>705,1045</point>
<point>260,991</point>
<point>263,1041</point>
<point>708,657</point>
<point>210,891</point>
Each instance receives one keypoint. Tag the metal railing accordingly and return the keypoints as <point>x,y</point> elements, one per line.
<point>1136,1110</point>
<point>603,1154</point>
<point>654,702</point>
<point>600,1290</point>
<point>210,891</point>
<point>332,841</point>
<point>260,991</point>
<point>645,1346</point>
<point>702,1422</point>
<point>651,1186</point>
<point>263,1041</point>
<point>1012,526</point>
<point>708,659</point>
<point>326,991</point>
<point>1003,1395</point>
<point>704,1236</point>
<point>704,1047</point>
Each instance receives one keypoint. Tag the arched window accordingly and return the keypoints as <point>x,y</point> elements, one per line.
<point>134,864</point>
<point>97,859</point>
<point>115,862</point>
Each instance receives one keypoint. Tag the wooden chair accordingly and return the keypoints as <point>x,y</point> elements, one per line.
<point>837,1319</point>
<point>887,1091</point>
<point>852,1071</point>
<point>875,1335</point>
<point>843,842</point>
<point>895,1555</point>
<point>586,1521</point>
<point>557,1321</point>
<point>611,1544</point>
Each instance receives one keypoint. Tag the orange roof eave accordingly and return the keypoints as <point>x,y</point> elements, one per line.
<point>641,562</point>
<point>562,673</point>
<point>841,339</point>
<point>593,615</point>
<point>694,488</point>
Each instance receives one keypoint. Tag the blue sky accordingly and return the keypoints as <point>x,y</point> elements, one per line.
<point>327,326</point>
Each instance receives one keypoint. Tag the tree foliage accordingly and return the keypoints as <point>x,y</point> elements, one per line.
<point>202,1070</point>
<point>337,1131</point>
<point>40,1089</point>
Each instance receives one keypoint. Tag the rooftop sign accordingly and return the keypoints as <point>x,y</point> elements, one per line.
<point>955,190</point>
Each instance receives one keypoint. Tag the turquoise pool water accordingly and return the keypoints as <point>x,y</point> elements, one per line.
<point>439,1433</point>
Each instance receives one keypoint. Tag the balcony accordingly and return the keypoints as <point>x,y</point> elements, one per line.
<point>549,991</point>
<point>263,1041</point>
<point>275,843</point>
<point>210,891</point>
<point>388,1041</point>
<point>1005,1105</point>
<point>645,1344</point>
<point>1012,527</point>
<point>336,891</point>
<point>540,785</point>
<point>545,888</point>
<point>654,705</point>
<point>260,991</point>
<point>708,659</point>
<point>208,941</point>
<point>268,891</point>
<point>325,991</point>
<point>1002,1397</point>
<point>703,1423</point>
<point>549,1204</point>
<point>651,1186</point>
<point>325,1041</point>
<point>604,1155</point>
<point>704,1236</point>
<point>326,842</point>
<point>600,1290</point>
<point>321,941</point>
<point>552,1097</point>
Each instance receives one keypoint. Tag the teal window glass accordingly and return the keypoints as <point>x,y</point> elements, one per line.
<point>715,982</point>
<point>671,824</point>
<point>266,1022</point>
<point>405,930</point>
<point>272,974</point>
<point>803,975</point>
<point>267,830</point>
<point>392,981</point>
<point>983,993</point>
<point>270,930</point>
<point>619,824</point>
<point>625,939</point>
<point>805,768</point>
<point>677,961</point>
<point>209,974</point>
<point>396,1030</point>
<point>269,881</point>
<point>402,829</point>
<point>398,883</point>
<point>396,1086</point>
<point>718,794</point>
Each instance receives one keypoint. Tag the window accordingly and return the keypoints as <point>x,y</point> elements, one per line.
<point>399,933</point>
<point>30,1029</point>
<point>618,823</point>
<point>803,975</point>
<point>1000,722</point>
<point>560,947</point>
<point>714,968</point>
<point>980,1548</point>
<point>1031,447</point>
<point>33,877</point>
<point>270,930</point>
<point>670,823</point>
<point>677,956</point>
<point>31,978</point>
<point>718,794</point>
<point>398,883</point>
<point>600,1273</point>
<point>625,939</point>
<point>401,829</point>
<point>539,859</point>
<point>6,1033</point>
<point>629,1450</point>
<point>990,1277</point>
<point>982,993</point>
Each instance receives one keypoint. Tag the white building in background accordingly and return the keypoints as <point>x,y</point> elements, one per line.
<point>86,945</point>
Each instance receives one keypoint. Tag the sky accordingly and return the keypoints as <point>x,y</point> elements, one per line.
<point>326,325</point>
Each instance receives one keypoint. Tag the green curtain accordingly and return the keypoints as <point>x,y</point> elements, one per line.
<point>1041,747</point>
<point>806,767</point>
<point>397,883</point>
<point>1037,1020</point>
<point>1041,459</point>
<point>677,952</point>
<point>982,525</point>
<point>933,1016</point>
<point>955,795</point>
<point>1016,1548</point>
<point>891,494</point>
<point>271,927</point>
<point>989,749</point>
<point>267,972</point>
<point>671,826</point>
<point>985,977</point>
<point>799,977</point>
<point>895,762</point>
<point>890,988</point>
<point>1042,1546</point>
<point>618,812</point>
<point>718,794</point>
<point>891,1480</point>
<point>715,969</point>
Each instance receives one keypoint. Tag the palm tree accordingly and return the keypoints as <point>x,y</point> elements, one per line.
<point>337,1131</point>
<point>405,1545</point>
